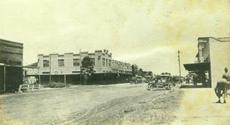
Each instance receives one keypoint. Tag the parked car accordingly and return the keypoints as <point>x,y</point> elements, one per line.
<point>138,79</point>
<point>161,81</point>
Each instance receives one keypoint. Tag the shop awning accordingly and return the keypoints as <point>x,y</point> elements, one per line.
<point>33,65</point>
<point>197,66</point>
<point>5,65</point>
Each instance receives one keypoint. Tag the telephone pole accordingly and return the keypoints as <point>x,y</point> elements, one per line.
<point>179,62</point>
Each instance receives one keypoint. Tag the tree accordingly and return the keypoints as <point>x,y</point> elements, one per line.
<point>150,73</point>
<point>87,66</point>
<point>134,69</point>
<point>141,72</point>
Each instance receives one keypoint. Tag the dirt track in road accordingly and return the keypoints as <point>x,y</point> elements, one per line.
<point>121,104</point>
<point>143,109</point>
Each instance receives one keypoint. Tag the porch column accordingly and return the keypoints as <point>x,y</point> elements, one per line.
<point>50,78</point>
<point>39,79</point>
<point>4,79</point>
<point>65,80</point>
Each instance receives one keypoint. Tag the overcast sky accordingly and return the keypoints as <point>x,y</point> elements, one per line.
<point>143,32</point>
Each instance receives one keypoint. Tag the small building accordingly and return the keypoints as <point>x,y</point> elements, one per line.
<point>212,57</point>
<point>67,67</point>
<point>11,60</point>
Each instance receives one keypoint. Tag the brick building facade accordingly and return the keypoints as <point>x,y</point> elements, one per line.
<point>66,67</point>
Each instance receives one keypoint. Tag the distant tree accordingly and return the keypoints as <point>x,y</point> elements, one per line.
<point>134,69</point>
<point>141,72</point>
<point>150,73</point>
<point>87,66</point>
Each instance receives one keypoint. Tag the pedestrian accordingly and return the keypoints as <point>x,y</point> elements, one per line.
<point>226,74</point>
<point>223,85</point>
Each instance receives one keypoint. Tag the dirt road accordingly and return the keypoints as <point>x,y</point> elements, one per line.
<point>120,104</point>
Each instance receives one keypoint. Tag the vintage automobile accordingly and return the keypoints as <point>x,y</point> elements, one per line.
<point>137,80</point>
<point>162,81</point>
<point>148,79</point>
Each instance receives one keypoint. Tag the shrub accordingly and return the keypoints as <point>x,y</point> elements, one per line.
<point>56,85</point>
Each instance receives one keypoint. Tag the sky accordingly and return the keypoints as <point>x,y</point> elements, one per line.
<point>144,32</point>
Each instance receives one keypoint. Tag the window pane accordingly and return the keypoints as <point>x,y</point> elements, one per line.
<point>76,62</point>
<point>46,63</point>
<point>61,62</point>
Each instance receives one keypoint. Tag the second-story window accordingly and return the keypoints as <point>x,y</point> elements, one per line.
<point>106,62</point>
<point>99,58</point>
<point>76,62</point>
<point>109,62</point>
<point>61,62</point>
<point>103,61</point>
<point>46,63</point>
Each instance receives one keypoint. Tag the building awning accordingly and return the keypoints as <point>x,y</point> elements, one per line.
<point>197,66</point>
<point>5,65</point>
<point>33,65</point>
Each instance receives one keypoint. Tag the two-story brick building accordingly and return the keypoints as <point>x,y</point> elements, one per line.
<point>66,67</point>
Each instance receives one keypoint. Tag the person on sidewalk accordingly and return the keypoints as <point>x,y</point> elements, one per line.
<point>222,86</point>
<point>227,77</point>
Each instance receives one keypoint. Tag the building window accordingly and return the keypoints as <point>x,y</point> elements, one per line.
<point>93,60</point>
<point>106,62</point>
<point>46,63</point>
<point>76,62</point>
<point>76,71</point>
<point>45,72</point>
<point>109,63</point>
<point>103,61</point>
<point>61,62</point>
<point>99,58</point>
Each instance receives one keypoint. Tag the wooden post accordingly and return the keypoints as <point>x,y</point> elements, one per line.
<point>65,80</point>
<point>50,69</point>
<point>50,78</point>
<point>210,78</point>
<point>4,79</point>
<point>179,65</point>
<point>39,79</point>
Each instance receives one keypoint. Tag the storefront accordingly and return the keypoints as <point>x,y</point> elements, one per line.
<point>11,78</point>
<point>200,73</point>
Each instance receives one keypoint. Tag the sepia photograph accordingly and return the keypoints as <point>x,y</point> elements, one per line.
<point>115,62</point>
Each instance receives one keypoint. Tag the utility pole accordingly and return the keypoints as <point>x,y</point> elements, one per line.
<point>50,79</point>
<point>80,67</point>
<point>179,62</point>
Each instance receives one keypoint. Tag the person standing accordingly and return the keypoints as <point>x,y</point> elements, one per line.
<point>223,85</point>
<point>226,74</point>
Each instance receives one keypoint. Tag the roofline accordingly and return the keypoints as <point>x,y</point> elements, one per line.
<point>10,41</point>
<point>35,67</point>
<point>217,39</point>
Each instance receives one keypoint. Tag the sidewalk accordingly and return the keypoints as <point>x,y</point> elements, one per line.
<point>199,107</point>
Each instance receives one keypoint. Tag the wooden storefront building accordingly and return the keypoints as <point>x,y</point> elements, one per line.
<point>11,60</point>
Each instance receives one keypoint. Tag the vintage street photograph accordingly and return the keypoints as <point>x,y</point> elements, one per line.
<point>115,62</point>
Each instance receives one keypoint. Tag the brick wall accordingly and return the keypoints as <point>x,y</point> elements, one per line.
<point>103,63</point>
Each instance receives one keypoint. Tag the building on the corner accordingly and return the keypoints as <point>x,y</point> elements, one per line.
<point>11,60</point>
<point>66,67</point>
<point>212,57</point>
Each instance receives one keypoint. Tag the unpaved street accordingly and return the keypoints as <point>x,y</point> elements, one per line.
<point>120,104</point>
